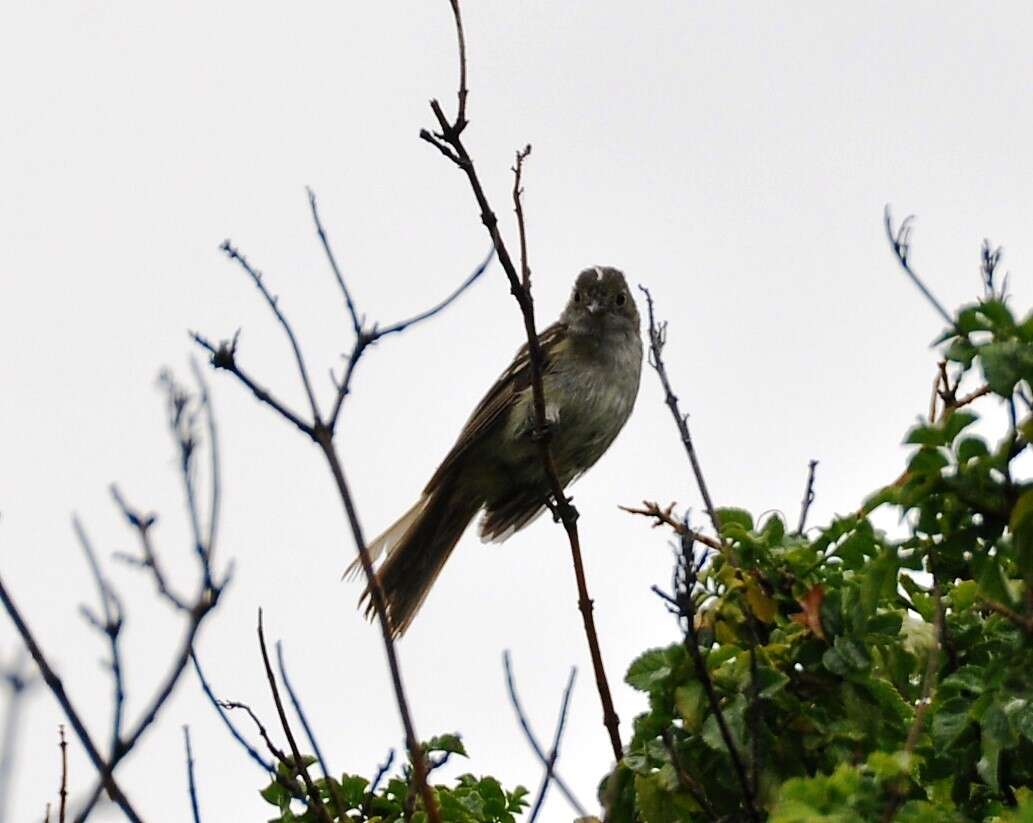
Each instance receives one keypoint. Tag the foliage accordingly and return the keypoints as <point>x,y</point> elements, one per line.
<point>352,798</point>
<point>845,695</point>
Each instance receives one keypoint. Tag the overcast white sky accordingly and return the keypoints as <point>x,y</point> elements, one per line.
<point>735,157</point>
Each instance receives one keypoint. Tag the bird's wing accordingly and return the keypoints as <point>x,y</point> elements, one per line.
<point>500,398</point>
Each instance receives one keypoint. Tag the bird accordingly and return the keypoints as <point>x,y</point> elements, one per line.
<point>591,369</point>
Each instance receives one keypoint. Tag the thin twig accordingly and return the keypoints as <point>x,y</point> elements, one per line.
<point>518,207</point>
<point>685,780</point>
<point>382,769</point>
<point>554,752</point>
<point>256,277</point>
<point>533,741</point>
<point>58,690</point>
<point>63,792</point>
<point>685,581</point>
<point>190,776</point>
<point>224,357</point>
<point>657,340</point>
<point>665,517</point>
<point>1022,621</point>
<point>205,599</point>
<point>299,764</point>
<point>808,497</point>
<point>299,711</point>
<point>367,336</point>
<point>449,141</point>
<point>111,627</point>
<point>142,524</point>
<point>265,765</point>
<point>900,241</point>
<point>17,684</point>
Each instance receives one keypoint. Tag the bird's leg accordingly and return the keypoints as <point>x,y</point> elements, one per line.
<point>551,505</point>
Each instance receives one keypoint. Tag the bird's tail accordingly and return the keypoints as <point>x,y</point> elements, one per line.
<point>415,549</point>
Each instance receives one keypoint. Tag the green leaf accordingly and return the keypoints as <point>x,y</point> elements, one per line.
<point>691,700</point>
<point>648,669</point>
<point>927,460</point>
<point>970,448</point>
<point>956,423</point>
<point>450,743</point>
<point>740,517</point>
<point>1005,364</point>
<point>964,594</point>
<point>950,720</point>
<point>880,581</point>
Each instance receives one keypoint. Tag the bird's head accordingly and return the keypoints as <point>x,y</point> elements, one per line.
<point>601,303</point>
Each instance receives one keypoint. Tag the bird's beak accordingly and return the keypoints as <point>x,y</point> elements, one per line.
<point>594,307</point>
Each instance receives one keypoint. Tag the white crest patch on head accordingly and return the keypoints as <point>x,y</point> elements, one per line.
<point>598,273</point>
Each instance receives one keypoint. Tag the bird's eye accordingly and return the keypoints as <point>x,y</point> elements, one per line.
<point>621,298</point>
<point>577,296</point>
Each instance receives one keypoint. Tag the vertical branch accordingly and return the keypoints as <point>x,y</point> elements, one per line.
<point>315,800</point>
<point>448,141</point>
<point>686,575</point>
<point>299,711</point>
<point>17,685</point>
<point>657,341</point>
<point>63,792</point>
<point>518,207</point>
<point>191,785</point>
<point>808,497</point>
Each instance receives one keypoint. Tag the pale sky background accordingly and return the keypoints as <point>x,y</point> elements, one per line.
<point>735,157</point>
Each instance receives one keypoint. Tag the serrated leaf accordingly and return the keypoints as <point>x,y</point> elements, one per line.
<point>648,669</point>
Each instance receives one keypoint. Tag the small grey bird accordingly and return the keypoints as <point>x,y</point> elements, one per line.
<point>592,365</point>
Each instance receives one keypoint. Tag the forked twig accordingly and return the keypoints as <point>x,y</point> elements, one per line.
<point>554,752</point>
<point>900,241</point>
<point>525,726</point>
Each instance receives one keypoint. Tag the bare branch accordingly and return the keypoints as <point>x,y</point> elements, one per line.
<point>450,135</point>
<point>665,517</point>
<point>900,241</point>
<point>299,764</point>
<point>63,791</point>
<point>808,497</point>
<point>265,765</point>
<point>224,356</point>
<point>533,741</point>
<point>190,775</point>
<point>685,578</point>
<point>367,336</point>
<point>17,683</point>
<point>142,524</point>
<point>58,690</point>
<point>657,340</point>
<point>256,277</point>
<point>111,628</point>
<point>299,711</point>
<point>554,752</point>
<point>518,207</point>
